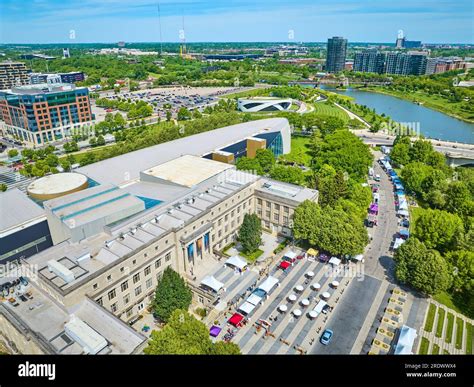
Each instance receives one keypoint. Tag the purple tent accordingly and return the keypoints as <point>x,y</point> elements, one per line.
<point>374,208</point>
<point>215,330</point>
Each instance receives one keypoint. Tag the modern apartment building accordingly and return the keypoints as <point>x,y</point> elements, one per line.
<point>336,54</point>
<point>411,63</point>
<point>13,74</point>
<point>37,114</point>
<point>369,61</point>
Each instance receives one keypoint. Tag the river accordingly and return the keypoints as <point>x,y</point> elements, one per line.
<point>432,124</point>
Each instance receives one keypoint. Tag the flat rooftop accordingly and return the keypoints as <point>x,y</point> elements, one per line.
<point>17,210</point>
<point>122,169</point>
<point>187,170</point>
<point>286,190</point>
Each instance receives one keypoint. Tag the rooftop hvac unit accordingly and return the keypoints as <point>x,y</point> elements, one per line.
<point>108,244</point>
<point>61,271</point>
<point>90,340</point>
<point>83,258</point>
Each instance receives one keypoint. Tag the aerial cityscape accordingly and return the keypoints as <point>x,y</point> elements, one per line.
<point>182,179</point>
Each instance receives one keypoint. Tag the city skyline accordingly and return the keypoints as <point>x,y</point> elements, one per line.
<point>91,21</point>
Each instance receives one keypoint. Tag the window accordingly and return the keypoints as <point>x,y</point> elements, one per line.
<point>232,213</point>
<point>95,286</point>
<point>111,294</point>
<point>238,219</point>
<point>147,270</point>
<point>138,290</point>
<point>126,299</point>
<point>129,312</point>
<point>134,262</point>
<point>124,286</point>
<point>167,257</point>
<point>267,214</point>
<point>158,263</point>
<point>259,212</point>
<point>219,222</point>
<point>158,276</point>
<point>276,217</point>
<point>109,278</point>
<point>277,207</point>
<point>122,269</point>
<point>238,209</point>
<point>113,307</point>
<point>259,202</point>
<point>145,255</point>
<point>285,220</point>
<point>136,278</point>
<point>286,209</point>
<point>232,224</point>
<point>226,217</point>
<point>269,205</point>
<point>99,301</point>
<point>149,283</point>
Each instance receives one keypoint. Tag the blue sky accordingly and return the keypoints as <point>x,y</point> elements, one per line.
<point>50,21</point>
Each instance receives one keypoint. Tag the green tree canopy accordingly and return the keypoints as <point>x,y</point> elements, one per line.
<point>266,159</point>
<point>171,293</point>
<point>293,175</point>
<point>250,233</point>
<point>185,335</point>
<point>247,164</point>
<point>438,229</point>
<point>422,268</point>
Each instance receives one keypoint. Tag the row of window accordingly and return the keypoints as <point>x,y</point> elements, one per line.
<point>276,206</point>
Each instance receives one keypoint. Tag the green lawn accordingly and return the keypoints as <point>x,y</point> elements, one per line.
<point>454,302</point>
<point>330,110</point>
<point>251,258</point>
<point>439,326</point>
<point>435,349</point>
<point>469,333</point>
<point>449,329</point>
<point>459,332</point>
<point>430,318</point>
<point>424,346</point>
<point>299,151</point>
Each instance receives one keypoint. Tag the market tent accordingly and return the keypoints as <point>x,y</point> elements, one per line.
<point>254,299</point>
<point>404,233</point>
<point>398,243</point>
<point>246,308</point>
<point>212,283</point>
<point>405,341</point>
<point>312,252</point>
<point>374,207</point>
<point>237,262</point>
<point>236,319</point>
<point>284,265</point>
<point>268,284</point>
<point>403,213</point>
<point>291,254</point>
<point>398,186</point>
<point>334,261</point>
<point>215,330</point>
<point>358,257</point>
<point>403,205</point>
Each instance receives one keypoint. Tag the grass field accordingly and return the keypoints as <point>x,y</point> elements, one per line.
<point>424,346</point>
<point>330,110</point>
<point>440,324</point>
<point>435,349</point>
<point>469,333</point>
<point>251,258</point>
<point>459,332</point>
<point>299,151</point>
<point>449,328</point>
<point>430,318</point>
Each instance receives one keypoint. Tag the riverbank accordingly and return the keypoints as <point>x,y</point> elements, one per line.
<point>429,101</point>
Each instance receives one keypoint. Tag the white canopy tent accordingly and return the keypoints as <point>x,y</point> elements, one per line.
<point>237,262</point>
<point>335,261</point>
<point>246,308</point>
<point>268,284</point>
<point>398,243</point>
<point>403,213</point>
<point>291,254</point>
<point>403,205</point>
<point>359,257</point>
<point>212,283</point>
<point>254,299</point>
<point>405,341</point>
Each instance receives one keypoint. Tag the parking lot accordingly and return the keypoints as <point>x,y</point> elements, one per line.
<point>172,99</point>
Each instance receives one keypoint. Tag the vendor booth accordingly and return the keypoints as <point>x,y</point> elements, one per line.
<point>236,263</point>
<point>211,284</point>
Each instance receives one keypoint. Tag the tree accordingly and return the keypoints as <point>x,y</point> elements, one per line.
<point>331,185</point>
<point>250,233</point>
<point>3,187</point>
<point>12,153</point>
<point>100,141</point>
<point>462,263</point>
<point>185,335</point>
<point>401,149</point>
<point>171,293</point>
<point>266,159</point>
<point>421,150</point>
<point>247,164</point>
<point>414,174</point>
<point>183,114</point>
<point>337,231</point>
<point>423,269</point>
<point>459,199</point>
<point>168,115</point>
<point>293,175</point>
<point>438,229</point>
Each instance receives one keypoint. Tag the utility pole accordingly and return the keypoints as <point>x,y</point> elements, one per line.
<point>159,23</point>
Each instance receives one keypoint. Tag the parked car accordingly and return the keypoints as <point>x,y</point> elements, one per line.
<point>326,337</point>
